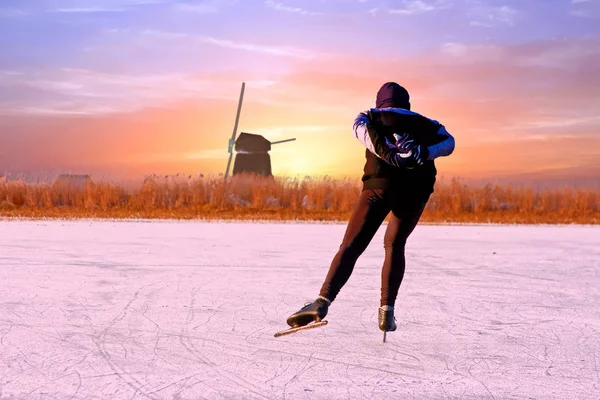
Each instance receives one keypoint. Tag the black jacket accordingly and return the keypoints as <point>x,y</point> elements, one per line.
<point>375,129</point>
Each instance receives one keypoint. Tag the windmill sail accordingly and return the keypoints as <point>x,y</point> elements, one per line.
<point>283,141</point>
<point>237,120</point>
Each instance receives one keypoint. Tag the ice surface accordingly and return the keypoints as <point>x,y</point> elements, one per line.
<point>187,310</point>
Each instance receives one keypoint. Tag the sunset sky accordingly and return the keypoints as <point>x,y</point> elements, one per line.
<point>140,86</point>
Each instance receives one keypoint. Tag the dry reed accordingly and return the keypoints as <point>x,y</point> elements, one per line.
<point>323,199</point>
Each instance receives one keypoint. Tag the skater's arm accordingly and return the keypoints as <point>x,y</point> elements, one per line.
<point>443,148</point>
<point>379,145</point>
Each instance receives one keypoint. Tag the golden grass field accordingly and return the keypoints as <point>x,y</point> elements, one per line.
<point>318,199</point>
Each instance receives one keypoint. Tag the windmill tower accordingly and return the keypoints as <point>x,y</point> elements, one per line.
<point>252,150</point>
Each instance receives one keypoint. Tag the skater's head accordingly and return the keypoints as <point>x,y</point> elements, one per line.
<point>392,95</point>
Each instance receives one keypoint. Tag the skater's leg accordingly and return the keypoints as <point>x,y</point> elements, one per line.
<point>369,213</point>
<point>405,216</point>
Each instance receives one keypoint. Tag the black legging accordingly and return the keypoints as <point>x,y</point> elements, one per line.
<point>370,212</point>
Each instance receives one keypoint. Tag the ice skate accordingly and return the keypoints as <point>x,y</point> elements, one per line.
<point>311,312</point>
<point>301,328</point>
<point>387,322</point>
<point>308,317</point>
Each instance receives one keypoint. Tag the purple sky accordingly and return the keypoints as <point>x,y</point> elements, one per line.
<point>115,58</point>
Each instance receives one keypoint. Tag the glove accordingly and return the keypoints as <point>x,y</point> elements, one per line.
<point>409,148</point>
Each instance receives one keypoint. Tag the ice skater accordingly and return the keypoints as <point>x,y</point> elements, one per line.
<point>399,177</point>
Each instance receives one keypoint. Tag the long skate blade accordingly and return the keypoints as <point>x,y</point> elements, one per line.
<point>301,328</point>
<point>384,335</point>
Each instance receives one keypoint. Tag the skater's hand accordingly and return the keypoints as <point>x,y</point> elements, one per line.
<point>409,149</point>
<point>406,154</point>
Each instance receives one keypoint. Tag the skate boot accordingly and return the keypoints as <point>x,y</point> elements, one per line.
<point>311,312</point>
<point>387,322</point>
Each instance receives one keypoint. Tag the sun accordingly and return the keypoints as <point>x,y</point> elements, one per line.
<point>295,163</point>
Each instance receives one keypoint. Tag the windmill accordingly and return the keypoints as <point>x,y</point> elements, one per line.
<point>252,150</point>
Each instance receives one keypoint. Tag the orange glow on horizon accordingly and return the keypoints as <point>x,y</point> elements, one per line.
<point>496,131</point>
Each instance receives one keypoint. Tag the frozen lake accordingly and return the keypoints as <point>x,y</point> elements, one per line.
<point>187,310</point>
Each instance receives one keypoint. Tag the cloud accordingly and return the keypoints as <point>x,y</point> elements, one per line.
<point>489,17</point>
<point>145,140</point>
<point>83,92</point>
<point>11,12</point>
<point>461,53</point>
<point>89,10</point>
<point>274,50</point>
<point>200,8</point>
<point>102,6</point>
<point>412,7</point>
<point>145,2</point>
<point>550,122</point>
<point>160,34</point>
<point>585,8</point>
<point>455,49</point>
<point>207,154</point>
<point>204,7</point>
<point>286,130</point>
<point>286,51</point>
<point>282,7</point>
<point>499,88</point>
<point>559,54</point>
